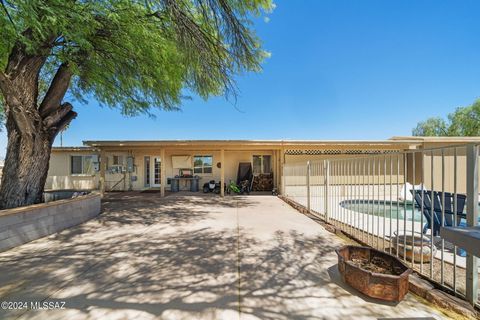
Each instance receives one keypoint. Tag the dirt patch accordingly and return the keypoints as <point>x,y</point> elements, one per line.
<point>377,265</point>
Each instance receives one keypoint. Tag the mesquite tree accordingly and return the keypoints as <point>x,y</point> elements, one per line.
<point>127,54</point>
<point>463,122</point>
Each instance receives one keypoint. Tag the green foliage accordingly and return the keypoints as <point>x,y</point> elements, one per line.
<point>464,121</point>
<point>431,127</point>
<point>135,55</point>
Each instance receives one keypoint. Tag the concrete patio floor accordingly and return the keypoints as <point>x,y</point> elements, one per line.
<point>190,257</point>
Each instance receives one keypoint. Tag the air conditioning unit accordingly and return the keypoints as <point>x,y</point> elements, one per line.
<point>116,169</point>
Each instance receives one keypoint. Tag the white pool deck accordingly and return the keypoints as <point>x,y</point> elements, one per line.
<point>375,225</point>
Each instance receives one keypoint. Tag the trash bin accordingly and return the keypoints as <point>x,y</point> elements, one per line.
<point>174,185</point>
<point>194,184</point>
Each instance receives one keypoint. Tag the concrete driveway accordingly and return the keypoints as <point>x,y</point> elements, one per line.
<point>189,257</point>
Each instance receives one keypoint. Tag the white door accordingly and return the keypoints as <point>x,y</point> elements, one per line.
<point>156,178</point>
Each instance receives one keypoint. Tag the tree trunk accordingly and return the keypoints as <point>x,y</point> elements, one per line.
<point>26,168</point>
<point>31,126</point>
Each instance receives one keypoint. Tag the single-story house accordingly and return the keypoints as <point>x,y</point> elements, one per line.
<point>142,165</point>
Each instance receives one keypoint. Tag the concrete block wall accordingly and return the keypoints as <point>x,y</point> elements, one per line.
<point>21,225</point>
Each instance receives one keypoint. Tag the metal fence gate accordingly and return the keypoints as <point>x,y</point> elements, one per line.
<point>383,202</point>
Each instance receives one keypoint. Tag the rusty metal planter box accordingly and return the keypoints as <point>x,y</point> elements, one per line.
<point>376,285</point>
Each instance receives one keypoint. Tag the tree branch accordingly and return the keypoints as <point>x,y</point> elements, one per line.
<point>64,121</point>
<point>58,87</point>
<point>4,83</point>
<point>53,119</point>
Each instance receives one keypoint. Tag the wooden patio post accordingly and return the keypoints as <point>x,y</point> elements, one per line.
<point>282,165</point>
<point>274,167</point>
<point>222,172</point>
<point>279,171</point>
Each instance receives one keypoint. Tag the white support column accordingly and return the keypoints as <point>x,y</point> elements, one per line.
<point>282,165</point>
<point>308,186</point>
<point>278,171</point>
<point>103,167</point>
<point>163,178</point>
<point>326,173</point>
<point>274,168</point>
<point>222,172</point>
<point>472,220</point>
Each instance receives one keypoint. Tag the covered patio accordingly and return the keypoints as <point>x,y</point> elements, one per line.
<point>190,257</point>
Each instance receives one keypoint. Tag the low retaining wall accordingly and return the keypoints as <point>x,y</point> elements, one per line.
<point>24,224</point>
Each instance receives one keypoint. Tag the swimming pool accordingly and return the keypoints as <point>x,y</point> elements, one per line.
<point>381,208</point>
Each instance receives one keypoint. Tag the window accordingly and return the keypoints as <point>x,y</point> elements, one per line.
<point>82,165</point>
<point>262,164</point>
<point>157,163</point>
<point>118,160</point>
<point>146,166</point>
<point>202,164</point>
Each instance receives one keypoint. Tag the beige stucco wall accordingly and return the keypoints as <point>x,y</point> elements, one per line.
<point>447,175</point>
<point>59,176</point>
<point>232,159</point>
<point>443,172</point>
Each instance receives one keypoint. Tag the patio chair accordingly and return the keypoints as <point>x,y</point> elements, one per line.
<point>449,207</point>
<point>437,208</point>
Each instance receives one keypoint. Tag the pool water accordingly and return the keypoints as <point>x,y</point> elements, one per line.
<point>380,208</point>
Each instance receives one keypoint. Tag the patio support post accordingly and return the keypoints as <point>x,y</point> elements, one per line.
<point>222,172</point>
<point>279,171</point>
<point>163,178</point>
<point>274,167</point>
<point>282,166</point>
<point>326,174</point>
<point>472,220</point>
<point>103,167</point>
<point>308,186</point>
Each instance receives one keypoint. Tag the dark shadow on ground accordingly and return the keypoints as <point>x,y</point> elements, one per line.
<point>190,272</point>
<point>143,254</point>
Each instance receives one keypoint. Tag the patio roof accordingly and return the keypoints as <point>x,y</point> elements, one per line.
<point>275,144</point>
<point>394,143</point>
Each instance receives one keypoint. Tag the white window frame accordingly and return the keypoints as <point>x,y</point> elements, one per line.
<point>203,164</point>
<point>83,156</point>
<point>120,160</point>
<point>262,166</point>
<point>117,167</point>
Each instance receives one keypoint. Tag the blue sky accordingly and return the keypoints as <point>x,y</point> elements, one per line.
<point>338,70</point>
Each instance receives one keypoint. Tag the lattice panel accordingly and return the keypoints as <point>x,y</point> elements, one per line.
<point>309,152</point>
